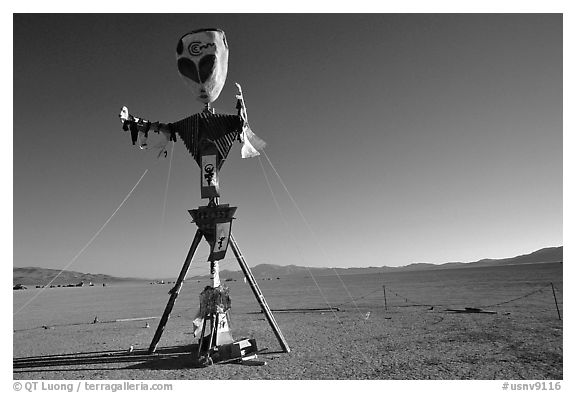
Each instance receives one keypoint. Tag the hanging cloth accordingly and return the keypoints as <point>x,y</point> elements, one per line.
<point>251,143</point>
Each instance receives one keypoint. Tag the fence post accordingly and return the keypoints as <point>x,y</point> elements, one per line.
<point>385,301</point>
<point>555,301</point>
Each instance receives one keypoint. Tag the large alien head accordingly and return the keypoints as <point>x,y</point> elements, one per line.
<point>203,62</point>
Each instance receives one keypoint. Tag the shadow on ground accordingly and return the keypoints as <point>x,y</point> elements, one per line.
<point>167,358</point>
<point>163,358</point>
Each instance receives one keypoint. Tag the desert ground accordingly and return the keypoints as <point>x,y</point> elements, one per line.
<point>411,335</point>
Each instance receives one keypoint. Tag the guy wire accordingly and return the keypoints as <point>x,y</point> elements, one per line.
<point>166,189</point>
<point>311,231</point>
<point>339,321</point>
<point>292,235</point>
<point>85,246</point>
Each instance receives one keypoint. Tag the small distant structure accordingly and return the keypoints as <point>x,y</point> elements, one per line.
<point>18,287</point>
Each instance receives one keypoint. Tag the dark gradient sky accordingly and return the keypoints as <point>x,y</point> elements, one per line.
<point>403,138</point>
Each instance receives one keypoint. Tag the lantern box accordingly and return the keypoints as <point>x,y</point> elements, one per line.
<point>215,222</point>
<point>235,351</point>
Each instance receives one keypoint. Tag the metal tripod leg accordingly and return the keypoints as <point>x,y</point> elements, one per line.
<point>175,291</point>
<point>259,296</point>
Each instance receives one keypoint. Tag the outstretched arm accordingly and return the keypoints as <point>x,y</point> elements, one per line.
<point>138,125</point>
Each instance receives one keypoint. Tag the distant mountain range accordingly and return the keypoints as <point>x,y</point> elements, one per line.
<point>41,276</point>
<point>544,255</point>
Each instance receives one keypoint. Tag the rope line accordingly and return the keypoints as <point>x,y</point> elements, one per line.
<point>283,218</point>
<point>85,246</point>
<point>358,298</point>
<point>166,190</point>
<point>82,323</point>
<point>518,298</point>
<point>338,320</point>
<point>416,303</point>
<point>309,227</point>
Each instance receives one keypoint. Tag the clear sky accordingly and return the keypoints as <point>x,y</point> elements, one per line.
<point>402,138</point>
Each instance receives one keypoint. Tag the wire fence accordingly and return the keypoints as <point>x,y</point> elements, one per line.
<point>377,298</point>
<point>546,290</point>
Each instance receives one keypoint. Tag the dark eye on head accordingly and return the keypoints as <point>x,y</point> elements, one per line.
<point>206,65</point>
<point>180,47</point>
<point>188,69</point>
